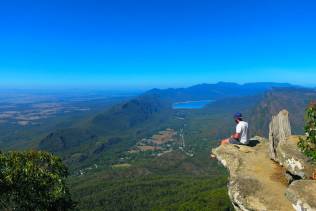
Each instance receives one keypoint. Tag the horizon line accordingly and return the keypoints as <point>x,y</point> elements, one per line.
<point>133,88</point>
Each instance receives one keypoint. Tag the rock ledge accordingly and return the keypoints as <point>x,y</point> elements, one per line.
<point>273,174</point>
<point>256,182</point>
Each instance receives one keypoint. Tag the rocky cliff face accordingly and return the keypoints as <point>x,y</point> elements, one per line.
<point>273,174</point>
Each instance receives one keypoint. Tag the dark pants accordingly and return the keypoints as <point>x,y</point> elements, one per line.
<point>234,141</point>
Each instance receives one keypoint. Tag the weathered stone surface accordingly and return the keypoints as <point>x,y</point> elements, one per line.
<point>283,148</point>
<point>279,130</point>
<point>302,194</point>
<point>294,160</point>
<point>256,182</point>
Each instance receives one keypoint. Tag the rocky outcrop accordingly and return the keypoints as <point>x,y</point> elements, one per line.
<point>279,130</point>
<point>283,148</point>
<point>295,162</point>
<point>258,182</point>
<point>302,194</point>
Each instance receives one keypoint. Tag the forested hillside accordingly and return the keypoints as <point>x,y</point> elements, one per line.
<point>295,100</point>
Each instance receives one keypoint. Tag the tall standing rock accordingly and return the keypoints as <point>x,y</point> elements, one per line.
<point>279,130</point>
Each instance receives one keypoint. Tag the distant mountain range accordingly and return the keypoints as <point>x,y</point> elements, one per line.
<point>142,115</point>
<point>156,104</point>
<point>216,91</point>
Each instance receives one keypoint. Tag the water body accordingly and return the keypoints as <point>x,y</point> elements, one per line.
<point>191,104</point>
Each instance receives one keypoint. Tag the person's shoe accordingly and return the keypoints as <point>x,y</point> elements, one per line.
<point>213,156</point>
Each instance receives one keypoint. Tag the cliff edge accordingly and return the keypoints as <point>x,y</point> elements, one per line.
<point>271,174</point>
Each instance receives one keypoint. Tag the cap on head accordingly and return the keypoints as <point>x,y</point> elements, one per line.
<point>238,115</point>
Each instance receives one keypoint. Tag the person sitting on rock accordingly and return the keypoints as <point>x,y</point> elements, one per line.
<point>240,137</point>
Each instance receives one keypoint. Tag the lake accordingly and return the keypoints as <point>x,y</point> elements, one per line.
<point>191,104</point>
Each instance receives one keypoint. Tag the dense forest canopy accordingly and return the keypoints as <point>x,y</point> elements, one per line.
<point>33,180</point>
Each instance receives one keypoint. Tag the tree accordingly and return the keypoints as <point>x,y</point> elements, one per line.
<point>33,180</point>
<point>308,144</point>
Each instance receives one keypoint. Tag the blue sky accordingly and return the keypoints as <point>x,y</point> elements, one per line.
<point>156,43</point>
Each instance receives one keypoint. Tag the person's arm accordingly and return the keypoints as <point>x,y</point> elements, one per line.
<point>237,135</point>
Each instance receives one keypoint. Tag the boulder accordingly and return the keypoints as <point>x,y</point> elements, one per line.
<point>279,130</point>
<point>302,194</point>
<point>293,160</point>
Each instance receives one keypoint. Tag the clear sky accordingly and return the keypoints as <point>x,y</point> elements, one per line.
<point>156,43</point>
